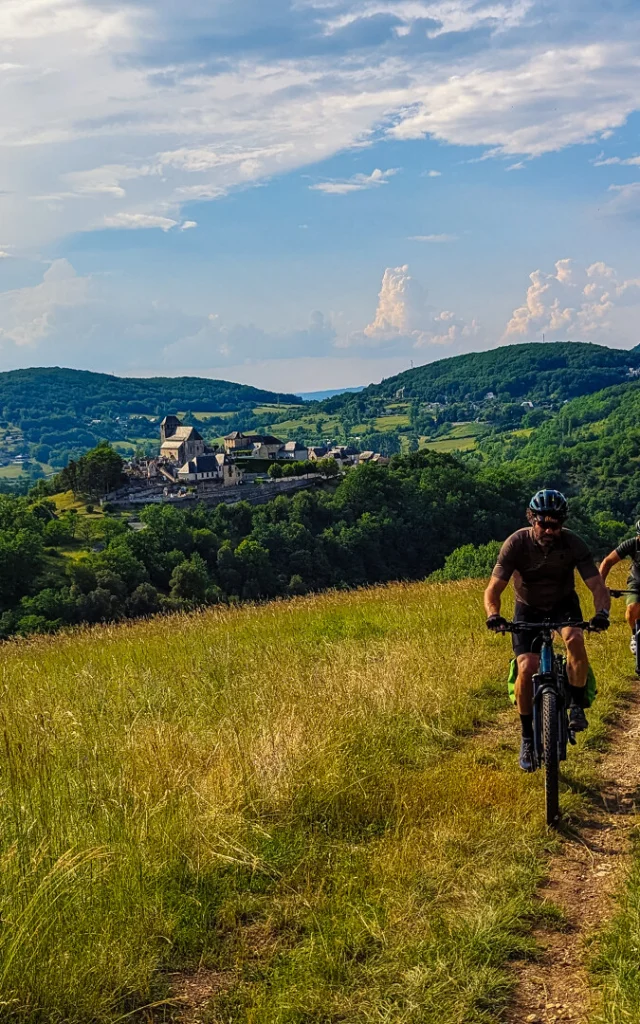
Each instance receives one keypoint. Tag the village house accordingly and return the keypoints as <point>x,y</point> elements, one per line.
<point>237,441</point>
<point>214,469</point>
<point>292,451</point>
<point>317,452</point>
<point>266,447</point>
<point>179,443</point>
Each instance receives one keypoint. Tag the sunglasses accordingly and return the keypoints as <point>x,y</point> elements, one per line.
<point>549,524</point>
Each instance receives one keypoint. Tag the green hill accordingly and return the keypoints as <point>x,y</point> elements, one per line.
<point>591,447</point>
<point>540,372</point>
<point>53,414</point>
<point>52,389</point>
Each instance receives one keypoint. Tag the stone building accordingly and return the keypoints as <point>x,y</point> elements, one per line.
<point>179,443</point>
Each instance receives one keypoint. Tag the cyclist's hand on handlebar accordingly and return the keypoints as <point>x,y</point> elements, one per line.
<point>600,622</point>
<point>497,623</point>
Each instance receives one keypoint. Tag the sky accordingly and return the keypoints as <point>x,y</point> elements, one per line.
<point>308,194</point>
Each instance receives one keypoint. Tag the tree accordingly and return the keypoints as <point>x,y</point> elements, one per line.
<point>95,473</point>
<point>190,579</point>
<point>328,467</point>
<point>275,471</point>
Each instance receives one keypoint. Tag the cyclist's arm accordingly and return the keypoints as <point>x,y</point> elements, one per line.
<point>601,595</point>
<point>493,594</point>
<point>607,564</point>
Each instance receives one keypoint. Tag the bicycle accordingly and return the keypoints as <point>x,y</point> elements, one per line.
<point>551,731</point>
<point>636,628</point>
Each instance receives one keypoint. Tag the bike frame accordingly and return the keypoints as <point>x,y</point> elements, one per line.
<point>549,677</point>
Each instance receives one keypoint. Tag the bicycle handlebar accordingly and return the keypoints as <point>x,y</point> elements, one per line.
<point>622,593</point>
<point>521,627</point>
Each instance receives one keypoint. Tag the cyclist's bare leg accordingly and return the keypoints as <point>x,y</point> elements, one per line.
<point>577,662</point>
<point>632,615</point>
<point>528,665</point>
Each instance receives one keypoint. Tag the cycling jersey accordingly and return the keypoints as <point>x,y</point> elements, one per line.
<point>543,575</point>
<point>631,549</point>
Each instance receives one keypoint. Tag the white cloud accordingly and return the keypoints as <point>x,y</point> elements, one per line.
<point>528,105</point>
<point>405,320</point>
<point>29,315</point>
<point>358,183</point>
<point>433,238</point>
<point>433,174</point>
<point>188,225</point>
<point>631,161</point>
<point>579,303</point>
<point>520,166</point>
<point>137,221</point>
<point>112,108</point>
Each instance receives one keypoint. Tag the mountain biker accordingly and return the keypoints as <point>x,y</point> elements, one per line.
<point>542,558</point>
<point>628,549</point>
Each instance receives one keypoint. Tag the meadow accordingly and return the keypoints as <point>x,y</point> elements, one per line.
<point>316,801</point>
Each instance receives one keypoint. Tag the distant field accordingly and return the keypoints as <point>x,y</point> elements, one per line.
<point>11,472</point>
<point>392,422</point>
<point>291,800</point>
<point>451,444</point>
<point>204,416</point>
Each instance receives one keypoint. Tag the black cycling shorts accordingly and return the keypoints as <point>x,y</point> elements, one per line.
<point>527,642</point>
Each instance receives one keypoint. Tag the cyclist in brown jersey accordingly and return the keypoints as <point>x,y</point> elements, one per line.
<point>542,559</point>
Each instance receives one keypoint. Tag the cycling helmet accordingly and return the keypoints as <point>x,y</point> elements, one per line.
<point>549,503</point>
<point>638,527</point>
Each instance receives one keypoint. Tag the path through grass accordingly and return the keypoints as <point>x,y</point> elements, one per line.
<point>290,796</point>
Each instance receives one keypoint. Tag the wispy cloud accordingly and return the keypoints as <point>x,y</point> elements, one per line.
<point>196,106</point>
<point>432,174</point>
<point>520,166</point>
<point>138,221</point>
<point>630,161</point>
<point>433,238</point>
<point>358,183</point>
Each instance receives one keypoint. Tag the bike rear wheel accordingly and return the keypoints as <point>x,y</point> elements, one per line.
<point>637,654</point>
<point>551,763</point>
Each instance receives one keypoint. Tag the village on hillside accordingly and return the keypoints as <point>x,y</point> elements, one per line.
<point>187,468</point>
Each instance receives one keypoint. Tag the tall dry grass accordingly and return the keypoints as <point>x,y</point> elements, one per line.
<point>288,794</point>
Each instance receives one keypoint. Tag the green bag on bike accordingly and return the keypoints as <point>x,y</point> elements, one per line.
<point>592,686</point>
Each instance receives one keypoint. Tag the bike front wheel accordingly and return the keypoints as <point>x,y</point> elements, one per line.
<point>550,748</point>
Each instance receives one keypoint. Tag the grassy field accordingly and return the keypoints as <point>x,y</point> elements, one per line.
<point>293,796</point>
<point>451,444</point>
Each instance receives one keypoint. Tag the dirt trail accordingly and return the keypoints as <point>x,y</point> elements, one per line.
<point>582,880</point>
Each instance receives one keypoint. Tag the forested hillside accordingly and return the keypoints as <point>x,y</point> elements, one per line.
<point>51,390</point>
<point>540,372</point>
<point>591,447</point>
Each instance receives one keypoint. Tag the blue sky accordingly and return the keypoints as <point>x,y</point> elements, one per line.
<point>314,193</point>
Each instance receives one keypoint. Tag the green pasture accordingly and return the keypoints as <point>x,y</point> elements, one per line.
<point>300,798</point>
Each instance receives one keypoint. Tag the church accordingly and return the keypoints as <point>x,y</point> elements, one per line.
<point>178,443</point>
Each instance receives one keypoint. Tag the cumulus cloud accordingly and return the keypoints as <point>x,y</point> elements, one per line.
<point>72,319</point>
<point>358,183</point>
<point>573,302</point>
<point>114,108</point>
<point>405,319</point>
<point>28,315</point>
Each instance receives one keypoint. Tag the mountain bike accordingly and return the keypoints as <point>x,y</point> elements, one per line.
<point>636,628</point>
<point>551,732</point>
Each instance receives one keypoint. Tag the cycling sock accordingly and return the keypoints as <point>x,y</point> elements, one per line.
<point>526,724</point>
<point>578,695</point>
